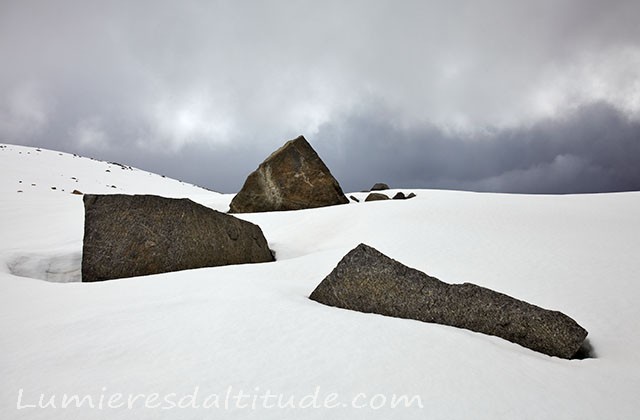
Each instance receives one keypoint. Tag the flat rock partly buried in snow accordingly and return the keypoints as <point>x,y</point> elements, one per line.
<point>366,280</point>
<point>137,235</point>
<point>376,197</point>
<point>292,178</point>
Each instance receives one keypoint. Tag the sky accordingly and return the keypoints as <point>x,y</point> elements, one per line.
<point>495,95</point>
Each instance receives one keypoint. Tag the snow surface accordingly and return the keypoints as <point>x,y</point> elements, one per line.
<point>252,327</point>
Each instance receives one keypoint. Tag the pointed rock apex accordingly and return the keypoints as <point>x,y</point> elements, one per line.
<point>368,281</point>
<point>291,178</point>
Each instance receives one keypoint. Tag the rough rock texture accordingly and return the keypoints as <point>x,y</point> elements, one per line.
<point>292,178</point>
<point>366,280</point>
<point>137,235</point>
<point>376,197</point>
<point>399,196</point>
<point>379,186</point>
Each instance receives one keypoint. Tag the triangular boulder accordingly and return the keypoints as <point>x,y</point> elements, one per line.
<point>292,178</point>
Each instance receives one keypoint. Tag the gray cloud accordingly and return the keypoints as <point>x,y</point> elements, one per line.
<point>593,149</point>
<point>203,90</point>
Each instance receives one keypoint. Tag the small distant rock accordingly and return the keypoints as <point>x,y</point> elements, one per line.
<point>354,199</point>
<point>379,187</point>
<point>400,196</point>
<point>120,165</point>
<point>76,192</point>
<point>53,188</point>
<point>291,178</point>
<point>368,281</point>
<point>137,235</point>
<point>19,191</point>
<point>376,197</point>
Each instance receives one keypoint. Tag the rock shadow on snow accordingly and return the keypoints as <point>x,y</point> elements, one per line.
<point>52,267</point>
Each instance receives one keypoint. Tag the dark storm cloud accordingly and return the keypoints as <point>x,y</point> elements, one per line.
<point>204,90</point>
<point>595,148</point>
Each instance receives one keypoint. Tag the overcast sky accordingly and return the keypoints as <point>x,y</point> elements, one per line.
<point>512,96</point>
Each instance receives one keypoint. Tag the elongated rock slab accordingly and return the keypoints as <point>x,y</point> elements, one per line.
<point>366,280</point>
<point>137,235</point>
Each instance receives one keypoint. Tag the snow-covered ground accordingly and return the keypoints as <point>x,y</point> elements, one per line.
<point>244,340</point>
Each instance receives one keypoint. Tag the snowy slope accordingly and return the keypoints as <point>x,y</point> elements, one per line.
<point>37,187</point>
<point>206,335</point>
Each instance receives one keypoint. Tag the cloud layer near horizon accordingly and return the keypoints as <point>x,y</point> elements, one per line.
<point>493,96</point>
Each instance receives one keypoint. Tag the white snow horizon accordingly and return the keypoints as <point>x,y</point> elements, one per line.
<point>225,340</point>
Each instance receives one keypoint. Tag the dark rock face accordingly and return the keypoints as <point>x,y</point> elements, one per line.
<point>366,280</point>
<point>354,198</point>
<point>379,186</point>
<point>137,235</point>
<point>376,197</point>
<point>411,195</point>
<point>399,196</point>
<point>292,178</point>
